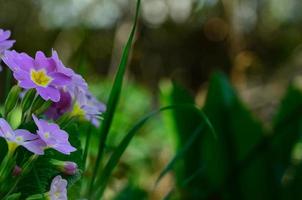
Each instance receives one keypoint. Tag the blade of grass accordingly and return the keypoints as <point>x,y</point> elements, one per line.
<point>113,99</point>
<point>102,181</point>
<point>87,142</point>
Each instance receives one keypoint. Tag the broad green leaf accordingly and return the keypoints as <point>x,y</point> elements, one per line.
<point>185,123</point>
<point>286,145</point>
<point>238,133</point>
<point>286,126</point>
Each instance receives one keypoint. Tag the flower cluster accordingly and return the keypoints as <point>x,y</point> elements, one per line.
<point>53,81</point>
<point>50,93</point>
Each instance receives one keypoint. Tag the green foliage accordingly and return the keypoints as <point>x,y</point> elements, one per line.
<point>131,192</point>
<point>286,145</point>
<point>43,171</point>
<point>244,161</point>
<point>238,133</point>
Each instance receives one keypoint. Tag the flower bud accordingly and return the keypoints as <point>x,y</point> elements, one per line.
<point>70,168</point>
<point>11,100</point>
<point>17,171</point>
<point>66,167</point>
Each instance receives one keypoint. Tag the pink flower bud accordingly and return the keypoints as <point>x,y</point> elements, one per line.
<point>66,167</point>
<point>70,168</point>
<point>17,170</point>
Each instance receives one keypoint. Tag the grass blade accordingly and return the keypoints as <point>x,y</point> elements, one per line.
<point>113,99</point>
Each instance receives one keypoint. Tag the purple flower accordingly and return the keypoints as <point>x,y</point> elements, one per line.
<point>53,136</point>
<point>57,109</point>
<point>21,137</point>
<point>85,105</point>
<point>5,44</point>
<point>92,108</point>
<point>42,73</point>
<point>58,189</point>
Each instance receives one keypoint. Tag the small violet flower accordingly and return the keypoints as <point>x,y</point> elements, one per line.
<point>58,189</point>
<point>21,137</point>
<point>90,108</point>
<point>75,97</point>
<point>44,74</point>
<point>5,44</point>
<point>53,136</point>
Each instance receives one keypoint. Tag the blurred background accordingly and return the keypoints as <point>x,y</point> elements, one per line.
<point>256,43</point>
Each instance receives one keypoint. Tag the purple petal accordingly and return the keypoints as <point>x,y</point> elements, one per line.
<point>42,62</point>
<point>4,35</point>
<point>7,44</point>
<point>5,130</point>
<point>35,146</point>
<point>49,93</point>
<point>59,79</point>
<point>26,135</point>
<point>64,148</point>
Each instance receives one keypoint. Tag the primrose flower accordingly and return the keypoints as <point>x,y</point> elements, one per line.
<point>40,73</point>
<point>21,137</point>
<point>53,136</point>
<point>90,108</point>
<point>58,189</point>
<point>75,97</point>
<point>5,44</point>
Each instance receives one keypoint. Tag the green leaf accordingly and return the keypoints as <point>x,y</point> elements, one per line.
<point>131,192</point>
<point>181,153</point>
<point>286,145</point>
<point>238,134</point>
<point>11,100</point>
<point>113,99</point>
<point>286,126</point>
<point>184,125</point>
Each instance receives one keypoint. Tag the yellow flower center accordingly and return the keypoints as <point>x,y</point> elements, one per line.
<point>40,77</point>
<point>78,111</point>
<point>12,146</point>
<point>19,139</point>
<point>46,135</point>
